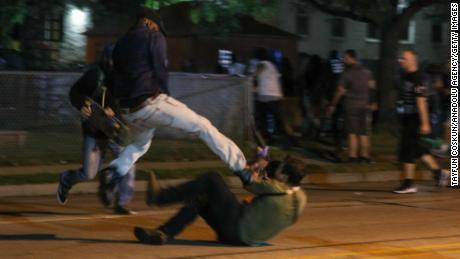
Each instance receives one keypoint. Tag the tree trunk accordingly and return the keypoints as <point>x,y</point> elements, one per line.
<point>386,74</point>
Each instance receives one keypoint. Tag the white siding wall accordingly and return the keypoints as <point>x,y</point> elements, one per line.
<point>319,40</point>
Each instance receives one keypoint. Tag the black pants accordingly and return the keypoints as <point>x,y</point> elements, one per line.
<point>410,148</point>
<point>338,130</point>
<point>263,109</point>
<point>209,197</point>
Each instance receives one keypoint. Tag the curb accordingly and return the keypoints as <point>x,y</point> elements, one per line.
<point>383,176</point>
<point>58,168</point>
<point>317,178</point>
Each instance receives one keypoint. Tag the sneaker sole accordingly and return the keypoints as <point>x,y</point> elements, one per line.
<point>406,191</point>
<point>125,213</point>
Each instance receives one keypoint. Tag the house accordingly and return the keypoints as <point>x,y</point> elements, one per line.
<point>321,32</point>
<point>51,36</point>
<point>195,45</point>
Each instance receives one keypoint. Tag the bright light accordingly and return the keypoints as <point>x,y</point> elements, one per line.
<point>78,17</point>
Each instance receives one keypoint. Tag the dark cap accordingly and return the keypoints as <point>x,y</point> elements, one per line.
<point>151,14</point>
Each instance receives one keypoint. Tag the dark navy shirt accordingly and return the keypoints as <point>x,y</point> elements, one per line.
<point>140,66</point>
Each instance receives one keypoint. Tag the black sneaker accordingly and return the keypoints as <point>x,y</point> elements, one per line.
<point>150,236</point>
<point>62,193</point>
<point>153,189</point>
<point>122,210</point>
<point>406,187</point>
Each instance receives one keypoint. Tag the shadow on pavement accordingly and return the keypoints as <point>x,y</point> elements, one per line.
<point>185,242</point>
<point>51,237</point>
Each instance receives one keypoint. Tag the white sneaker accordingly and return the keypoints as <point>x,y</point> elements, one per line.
<point>406,188</point>
<point>441,152</point>
<point>444,178</point>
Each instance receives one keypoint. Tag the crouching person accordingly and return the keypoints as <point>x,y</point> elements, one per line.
<point>277,204</point>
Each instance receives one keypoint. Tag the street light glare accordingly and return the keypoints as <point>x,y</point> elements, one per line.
<point>78,17</point>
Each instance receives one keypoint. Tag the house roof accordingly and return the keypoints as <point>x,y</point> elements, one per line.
<point>177,23</point>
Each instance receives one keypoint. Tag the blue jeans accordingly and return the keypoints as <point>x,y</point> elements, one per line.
<point>93,153</point>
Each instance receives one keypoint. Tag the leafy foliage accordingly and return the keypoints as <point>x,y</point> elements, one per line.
<point>221,14</point>
<point>157,4</point>
<point>11,12</point>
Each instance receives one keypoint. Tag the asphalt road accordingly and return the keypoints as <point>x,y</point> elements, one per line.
<point>341,221</point>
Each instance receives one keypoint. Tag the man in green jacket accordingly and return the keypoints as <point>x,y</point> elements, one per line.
<point>277,204</point>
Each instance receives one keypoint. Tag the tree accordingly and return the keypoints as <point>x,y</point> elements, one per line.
<point>390,21</point>
<point>220,16</point>
<point>11,13</point>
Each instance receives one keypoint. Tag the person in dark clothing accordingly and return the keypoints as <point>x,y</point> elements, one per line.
<point>141,87</point>
<point>277,204</point>
<point>287,78</point>
<point>356,85</point>
<point>442,85</point>
<point>313,90</point>
<point>290,103</point>
<point>415,125</point>
<point>92,86</point>
<point>335,68</point>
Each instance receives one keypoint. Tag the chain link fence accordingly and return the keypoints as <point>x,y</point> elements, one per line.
<point>36,107</point>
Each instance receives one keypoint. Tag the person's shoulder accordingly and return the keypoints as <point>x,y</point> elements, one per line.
<point>156,34</point>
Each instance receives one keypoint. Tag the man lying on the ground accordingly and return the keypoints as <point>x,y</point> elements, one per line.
<point>277,204</point>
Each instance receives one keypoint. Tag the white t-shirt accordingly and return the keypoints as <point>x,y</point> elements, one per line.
<point>269,81</point>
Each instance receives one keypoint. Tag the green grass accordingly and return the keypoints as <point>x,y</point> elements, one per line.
<point>49,148</point>
<point>58,147</point>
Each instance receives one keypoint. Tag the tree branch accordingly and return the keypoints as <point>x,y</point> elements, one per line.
<point>341,12</point>
<point>414,7</point>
